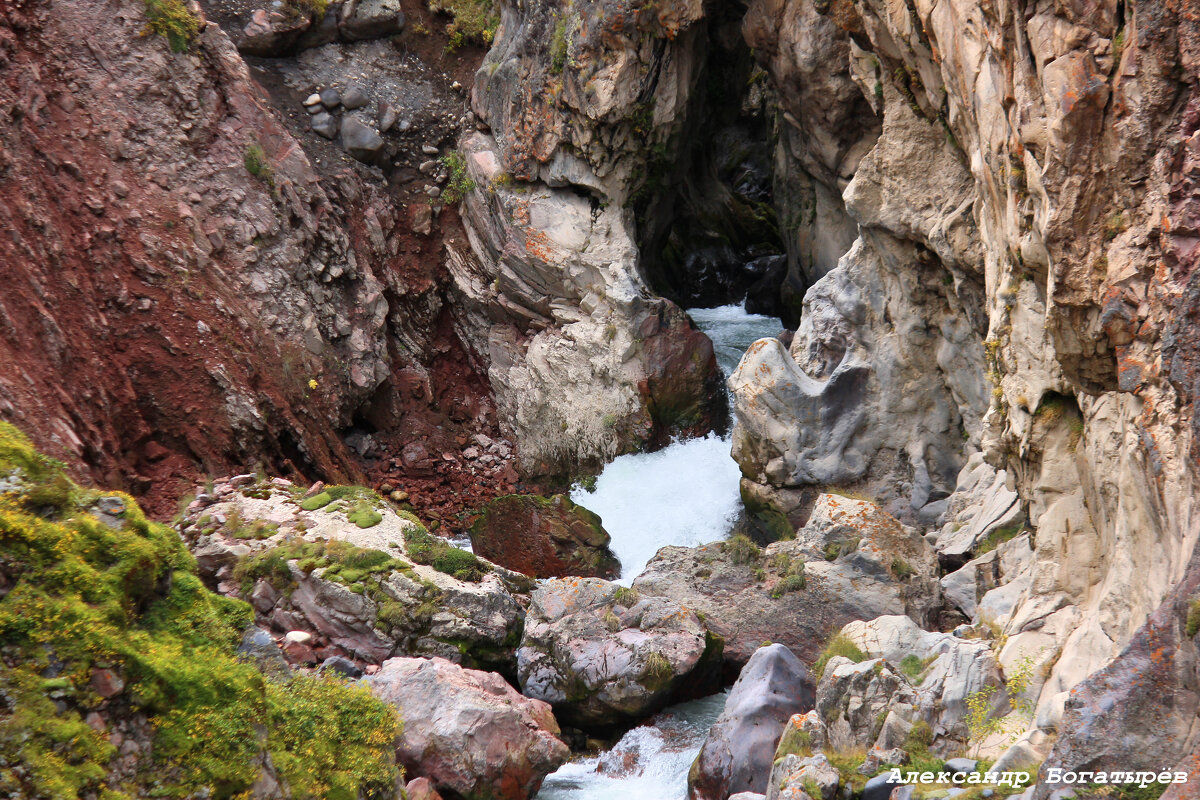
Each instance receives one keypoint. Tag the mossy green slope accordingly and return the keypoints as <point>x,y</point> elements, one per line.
<point>78,595</point>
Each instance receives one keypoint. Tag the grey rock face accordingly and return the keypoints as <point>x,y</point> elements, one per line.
<point>373,19</point>
<point>791,775</point>
<point>604,655</point>
<point>739,750</point>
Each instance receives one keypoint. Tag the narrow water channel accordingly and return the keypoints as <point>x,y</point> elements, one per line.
<point>685,494</point>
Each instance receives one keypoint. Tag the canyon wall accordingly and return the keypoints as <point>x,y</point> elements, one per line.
<point>988,212</point>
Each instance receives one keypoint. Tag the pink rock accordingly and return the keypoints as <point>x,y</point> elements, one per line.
<point>421,789</point>
<point>469,732</point>
<point>107,683</point>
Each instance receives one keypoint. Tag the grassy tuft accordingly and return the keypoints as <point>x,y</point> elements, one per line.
<point>459,182</point>
<point>839,645</point>
<point>425,548</point>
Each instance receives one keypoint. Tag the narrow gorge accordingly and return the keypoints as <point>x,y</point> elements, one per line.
<point>587,399</point>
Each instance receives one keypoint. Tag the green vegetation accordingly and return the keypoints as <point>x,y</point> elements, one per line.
<point>741,550</point>
<point>425,548</point>
<point>343,563</point>
<point>86,597</point>
<point>835,549</point>
<point>558,46</point>
<point>981,724</point>
<point>172,20</point>
<point>901,569</point>
<point>996,538</point>
<point>839,645</point>
<point>364,515</point>
<point>255,161</point>
<point>626,596</point>
<point>1193,618</point>
<point>913,666</point>
<point>917,744</point>
<point>792,577</point>
<point>459,182</point>
<point>474,21</point>
<point>314,9</point>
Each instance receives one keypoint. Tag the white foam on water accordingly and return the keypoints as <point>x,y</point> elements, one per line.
<point>650,762</point>
<point>687,493</point>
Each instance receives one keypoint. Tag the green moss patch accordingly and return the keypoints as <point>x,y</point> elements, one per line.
<point>85,596</point>
<point>425,548</point>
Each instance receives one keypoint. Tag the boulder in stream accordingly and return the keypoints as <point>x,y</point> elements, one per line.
<point>739,750</point>
<point>545,537</point>
<point>851,561</point>
<point>605,655</point>
<point>467,731</point>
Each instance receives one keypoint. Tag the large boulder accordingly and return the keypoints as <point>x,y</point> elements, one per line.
<point>544,537</point>
<point>371,19</point>
<point>470,733</point>
<point>605,655</point>
<point>358,590</point>
<point>739,750</point>
<point>851,561</point>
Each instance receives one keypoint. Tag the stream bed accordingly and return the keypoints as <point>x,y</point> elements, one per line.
<point>685,494</point>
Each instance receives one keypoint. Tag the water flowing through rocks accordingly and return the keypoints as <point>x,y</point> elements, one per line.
<point>687,493</point>
<point>650,762</point>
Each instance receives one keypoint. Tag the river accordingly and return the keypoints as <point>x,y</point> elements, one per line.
<point>685,494</point>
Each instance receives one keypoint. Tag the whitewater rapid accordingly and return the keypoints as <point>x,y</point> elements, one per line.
<point>650,762</point>
<point>687,493</point>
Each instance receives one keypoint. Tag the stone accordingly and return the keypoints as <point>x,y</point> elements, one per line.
<point>313,99</point>
<point>468,732</point>
<point>879,788</point>
<point>324,124</point>
<point>544,537</point>
<point>421,789</point>
<point>331,98</point>
<point>341,666</point>
<point>738,752</point>
<point>387,116</point>
<point>791,774</point>
<point>429,150</point>
<point>373,19</point>
<point>271,33</point>
<point>354,97</point>
<point>360,140</point>
<point>863,581</point>
<point>259,647</point>
<point>959,765</point>
<point>605,656</point>
<point>107,683</point>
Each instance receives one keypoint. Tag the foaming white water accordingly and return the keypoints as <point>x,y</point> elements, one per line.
<point>687,493</point>
<point>649,763</point>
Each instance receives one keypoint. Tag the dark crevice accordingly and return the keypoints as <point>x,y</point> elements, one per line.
<point>707,227</point>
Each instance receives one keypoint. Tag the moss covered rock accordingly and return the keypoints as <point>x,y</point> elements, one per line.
<point>546,537</point>
<point>105,626</point>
